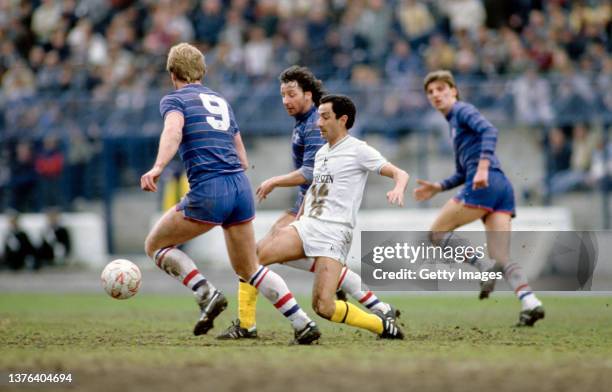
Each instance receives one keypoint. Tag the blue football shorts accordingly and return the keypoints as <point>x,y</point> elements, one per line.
<point>223,200</point>
<point>497,197</point>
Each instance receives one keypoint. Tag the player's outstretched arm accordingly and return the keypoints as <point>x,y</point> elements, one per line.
<point>241,150</point>
<point>168,145</point>
<point>396,195</point>
<point>426,190</point>
<point>294,178</point>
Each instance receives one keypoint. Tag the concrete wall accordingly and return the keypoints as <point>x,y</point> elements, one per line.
<point>86,231</point>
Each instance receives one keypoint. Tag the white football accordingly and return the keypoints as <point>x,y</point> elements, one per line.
<point>121,279</point>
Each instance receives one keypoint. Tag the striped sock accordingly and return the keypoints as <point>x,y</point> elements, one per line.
<point>177,264</point>
<point>274,288</point>
<point>351,283</point>
<point>518,281</point>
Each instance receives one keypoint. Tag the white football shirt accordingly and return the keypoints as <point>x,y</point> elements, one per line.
<point>339,178</point>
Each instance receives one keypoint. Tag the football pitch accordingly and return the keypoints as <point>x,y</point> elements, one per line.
<point>453,343</point>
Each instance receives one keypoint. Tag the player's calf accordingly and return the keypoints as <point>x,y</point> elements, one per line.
<point>379,323</point>
<point>178,265</point>
<point>245,325</point>
<point>451,239</point>
<point>323,307</point>
<point>351,283</point>
<point>516,278</point>
<point>181,267</point>
<point>274,288</point>
<point>532,309</point>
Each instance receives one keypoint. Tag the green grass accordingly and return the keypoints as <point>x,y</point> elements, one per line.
<point>448,339</point>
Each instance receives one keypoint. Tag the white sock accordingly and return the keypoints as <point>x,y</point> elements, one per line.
<point>351,283</point>
<point>518,281</point>
<point>274,288</point>
<point>181,267</point>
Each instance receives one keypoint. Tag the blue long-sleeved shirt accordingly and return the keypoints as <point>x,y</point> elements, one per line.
<point>306,141</point>
<point>474,138</point>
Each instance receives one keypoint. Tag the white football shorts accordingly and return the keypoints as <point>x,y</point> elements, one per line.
<point>323,238</point>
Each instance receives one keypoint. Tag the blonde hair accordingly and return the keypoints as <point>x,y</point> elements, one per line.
<point>186,62</point>
<point>443,76</point>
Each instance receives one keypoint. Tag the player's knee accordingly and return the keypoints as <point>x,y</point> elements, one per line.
<point>149,247</point>
<point>259,249</point>
<point>245,271</point>
<point>263,254</point>
<point>323,307</point>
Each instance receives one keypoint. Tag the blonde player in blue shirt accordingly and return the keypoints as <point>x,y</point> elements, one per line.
<point>200,125</point>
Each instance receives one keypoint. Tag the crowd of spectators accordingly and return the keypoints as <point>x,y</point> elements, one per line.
<point>81,70</point>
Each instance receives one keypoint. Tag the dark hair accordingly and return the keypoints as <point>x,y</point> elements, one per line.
<point>341,105</point>
<point>305,79</point>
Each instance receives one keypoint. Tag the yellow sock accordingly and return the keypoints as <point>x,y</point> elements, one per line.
<point>247,304</point>
<point>350,314</point>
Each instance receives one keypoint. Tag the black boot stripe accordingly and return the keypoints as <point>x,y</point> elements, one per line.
<point>345,314</point>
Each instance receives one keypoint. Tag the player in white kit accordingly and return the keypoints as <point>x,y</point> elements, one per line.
<point>325,226</point>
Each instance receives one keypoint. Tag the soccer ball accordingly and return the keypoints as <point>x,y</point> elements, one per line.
<point>121,279</point>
